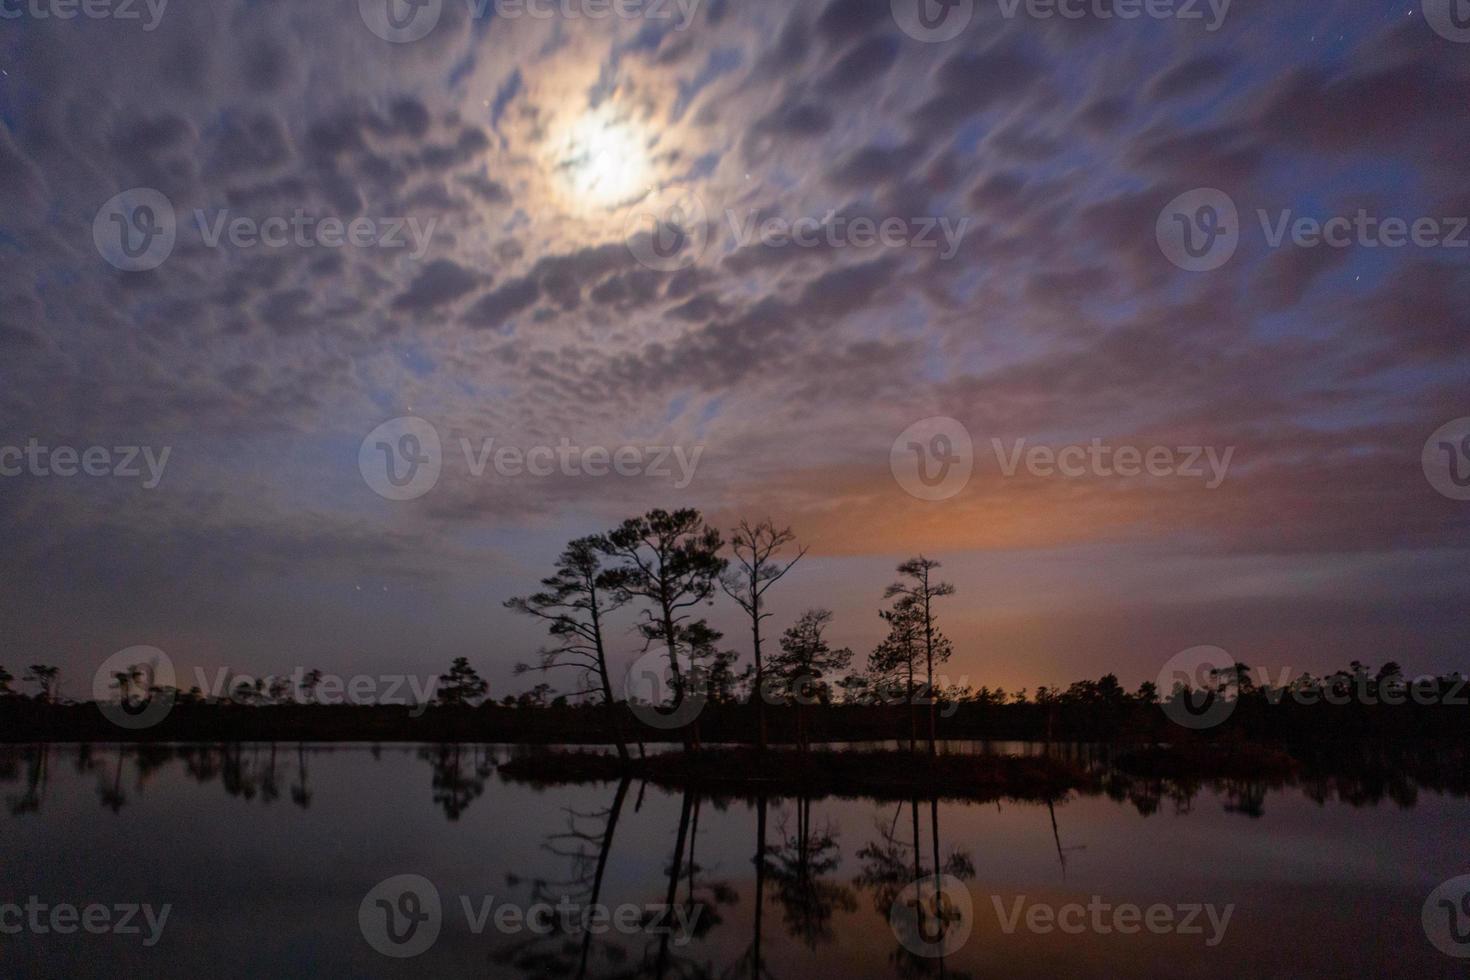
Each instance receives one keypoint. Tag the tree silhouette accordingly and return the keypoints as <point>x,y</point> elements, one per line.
<point>896,658</point>
<point>309,683</point>
<point>918,586</point>
<point>5,678</point>
<point>671,561</point>
<point>47,679</point>
<point>711,666</point>
<point>756,551</point>
<point>805,659</point>
<point>462,686</point>
<point>573,604</point>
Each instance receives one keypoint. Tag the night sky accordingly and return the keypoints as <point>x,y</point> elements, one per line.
<point>529,153</point>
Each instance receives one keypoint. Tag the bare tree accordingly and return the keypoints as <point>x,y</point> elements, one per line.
<point>922,590</point>
<point>756,551</point>
<point>574,605</point>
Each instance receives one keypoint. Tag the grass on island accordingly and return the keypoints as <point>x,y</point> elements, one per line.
<point>874,774</point>
<point>1190,760</point>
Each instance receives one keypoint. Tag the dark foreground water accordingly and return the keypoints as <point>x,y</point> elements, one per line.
<point>262,861</point>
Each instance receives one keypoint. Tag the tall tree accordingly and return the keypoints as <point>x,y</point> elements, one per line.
<point>918,585</point>
<point>672,562</point>
<point>713,665</point>
<point>896,658</point>
<point>46,678</point>
<point>310,683</point>
<point>759,566</point>
<point>462,686</point>
<point>574,605</point>
<point>805,659</point>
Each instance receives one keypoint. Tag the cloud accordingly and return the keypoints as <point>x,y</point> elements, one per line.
<point>442,281</point>
<point>1058,318</point>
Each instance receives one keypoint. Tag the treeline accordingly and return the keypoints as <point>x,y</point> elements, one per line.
<point>1086,711</point>
<point>662,570</point>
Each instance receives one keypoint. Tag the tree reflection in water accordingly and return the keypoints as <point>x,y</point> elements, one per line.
<point>798,867</point>
<point>586,845</point>
<point>890,864</point>
<point>459,776</point>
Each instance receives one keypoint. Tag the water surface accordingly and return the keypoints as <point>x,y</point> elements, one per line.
<point>266,853</point>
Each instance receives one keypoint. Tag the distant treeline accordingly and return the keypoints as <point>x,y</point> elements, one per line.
<point>1097,711</point>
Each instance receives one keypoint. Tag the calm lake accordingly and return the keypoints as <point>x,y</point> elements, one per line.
<point>282,861</point>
